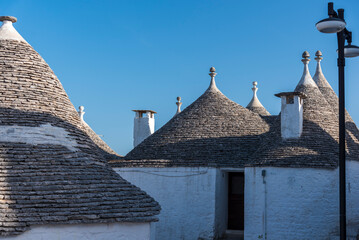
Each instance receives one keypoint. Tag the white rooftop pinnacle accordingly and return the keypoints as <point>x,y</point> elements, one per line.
<point>306,79</point>
<point>7,30</point>
<point>255,101</point>
<point>212,86</point>
<point>81,112</point>
<point>178,103</point>
<point>319,76</point>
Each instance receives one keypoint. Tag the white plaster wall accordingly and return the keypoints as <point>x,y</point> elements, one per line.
<point>118,231</point>
<point>44,134</point>
<point>186,196</point>
<point>352,172</point>
<point>298,203</point>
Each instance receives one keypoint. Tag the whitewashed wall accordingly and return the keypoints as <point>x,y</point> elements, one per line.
<point>186,196</point>
<point>118,231</point>
<point>298,203</point>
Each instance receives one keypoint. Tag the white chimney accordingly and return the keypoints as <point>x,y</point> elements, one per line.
<point>291,114</point>
<point>144,125</point>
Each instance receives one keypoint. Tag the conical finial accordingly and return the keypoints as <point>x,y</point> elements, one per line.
<point>254,89</point>
<point>319,77</point>
<point>306,79</point>
<point>81,112</point>
<point>7,30</point>
<point>212,74</point>
<point>178,103</point>
<point>255,105</point>
<point>318,71</point>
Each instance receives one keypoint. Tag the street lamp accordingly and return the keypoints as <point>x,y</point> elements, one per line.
<point>336,24</point>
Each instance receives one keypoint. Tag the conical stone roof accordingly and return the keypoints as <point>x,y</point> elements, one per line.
<point>51,170</point>
<point>352,132</point>
<point>318,144</point>
<point>212,131</point>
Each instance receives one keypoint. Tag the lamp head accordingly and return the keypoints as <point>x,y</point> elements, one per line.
<point>331,25</point>
<point>351,51</point>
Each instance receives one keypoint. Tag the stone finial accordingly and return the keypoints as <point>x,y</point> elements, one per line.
<point>212,72</point>
<point>178,103</point>
<point>306,79</point>
<point>213,82</point>
<point>305,56</point>
<point>254,88</point>
<point>7,30</point>
<point>318,55</point>
<point>255,105</point>
<point>319,76</point>
<point>8,18</point>
<point>81,112</point>
<point>255,100</point>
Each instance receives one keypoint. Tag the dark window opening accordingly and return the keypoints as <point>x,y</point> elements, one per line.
<point>290,100</point>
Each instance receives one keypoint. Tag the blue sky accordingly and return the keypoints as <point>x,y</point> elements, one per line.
<point>115,56</point>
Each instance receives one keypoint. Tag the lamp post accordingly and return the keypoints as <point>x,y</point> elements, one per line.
<point>336,24</point>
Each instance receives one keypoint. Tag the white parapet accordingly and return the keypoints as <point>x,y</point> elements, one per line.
<point>291,114</point>
<point>144,125</point>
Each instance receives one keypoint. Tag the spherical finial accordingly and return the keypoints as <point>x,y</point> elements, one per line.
<point>8,18</point>
<point>81,108</point>
<point>212,69</point>
<point>305,55</point>
<point>255,84</point>
<point>318,55</point>
<point>179,99</point>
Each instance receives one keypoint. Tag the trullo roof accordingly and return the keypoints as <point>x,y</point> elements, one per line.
<point>212,131</point>
<point>318,144</point>
<point>51,171</point>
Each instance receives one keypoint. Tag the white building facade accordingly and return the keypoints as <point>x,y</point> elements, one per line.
<point>221,171</point>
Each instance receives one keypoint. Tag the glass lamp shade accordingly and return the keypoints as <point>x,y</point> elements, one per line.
<point>351,51</point>
<point>331,25</point>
